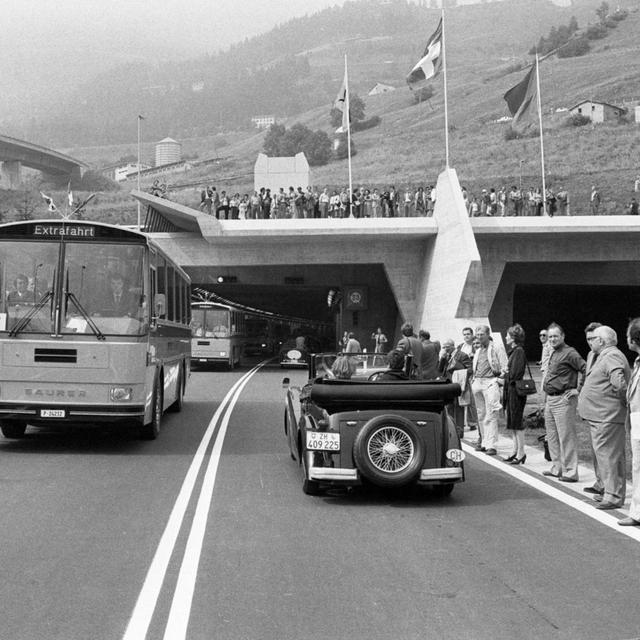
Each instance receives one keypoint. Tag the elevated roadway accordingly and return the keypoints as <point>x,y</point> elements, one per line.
<point>14,154</point>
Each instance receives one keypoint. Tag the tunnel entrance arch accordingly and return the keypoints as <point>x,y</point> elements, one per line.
<point>573,307</point>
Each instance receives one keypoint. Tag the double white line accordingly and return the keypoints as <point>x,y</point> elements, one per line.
<point>182,598</point>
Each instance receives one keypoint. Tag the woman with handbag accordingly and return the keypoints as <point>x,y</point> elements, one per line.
<point>512,400</point>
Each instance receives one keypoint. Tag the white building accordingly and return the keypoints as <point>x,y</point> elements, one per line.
<point>263,122</point>
<point>273,173</point>
<point>168,151</point>
<point>381,88</point>
<point>598,111</point>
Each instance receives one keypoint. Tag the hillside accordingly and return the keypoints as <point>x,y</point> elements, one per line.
<point>408,146</point>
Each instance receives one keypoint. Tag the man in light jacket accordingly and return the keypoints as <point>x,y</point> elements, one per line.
<point>489,365</point>
<point>602,403</point>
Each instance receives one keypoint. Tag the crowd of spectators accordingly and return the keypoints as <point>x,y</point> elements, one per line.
<point>389,202</point>
<point>311,202</point>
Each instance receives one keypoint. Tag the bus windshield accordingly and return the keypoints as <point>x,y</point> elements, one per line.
<point>210,323</point>
<point>99,290</point>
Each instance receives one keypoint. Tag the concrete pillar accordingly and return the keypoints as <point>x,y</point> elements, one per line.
<point>452,289</point>
<point>11,174</point>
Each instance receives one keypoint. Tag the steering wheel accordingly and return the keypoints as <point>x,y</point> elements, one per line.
<point>375,376</point>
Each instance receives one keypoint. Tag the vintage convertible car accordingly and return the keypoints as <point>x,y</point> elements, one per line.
<point>346,432</point>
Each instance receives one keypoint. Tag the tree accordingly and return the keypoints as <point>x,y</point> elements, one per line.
<point>26,206</point>
<point>602,12</point>
<point>272,140</point>
<point>317,148</point>
<point>423,93</point>
<point>342,150</point>
<point>573,24</point>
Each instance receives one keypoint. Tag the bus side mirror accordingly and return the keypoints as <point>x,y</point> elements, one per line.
<point>159,305</point>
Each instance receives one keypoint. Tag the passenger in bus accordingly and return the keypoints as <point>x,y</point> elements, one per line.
<point>119,300</point>
<point>22,294</point>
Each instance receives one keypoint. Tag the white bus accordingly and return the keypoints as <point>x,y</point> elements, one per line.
<point>94,327</point>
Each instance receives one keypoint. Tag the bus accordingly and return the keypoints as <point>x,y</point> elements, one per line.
<point>224,331</point>
<point>94,327</point>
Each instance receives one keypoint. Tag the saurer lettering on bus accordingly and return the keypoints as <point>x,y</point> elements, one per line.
<point>56,393</point>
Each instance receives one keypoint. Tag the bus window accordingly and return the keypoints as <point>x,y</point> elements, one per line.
<point>161,277</point>
<point>28,270</point>
<point>171,294</point>
<point>106,292</point>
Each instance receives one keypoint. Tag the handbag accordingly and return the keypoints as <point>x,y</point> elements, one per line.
<point>526,386</point>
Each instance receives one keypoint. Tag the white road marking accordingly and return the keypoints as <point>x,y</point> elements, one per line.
<point>180,611</point>
<point>588,508</point>
<point>148,597</point>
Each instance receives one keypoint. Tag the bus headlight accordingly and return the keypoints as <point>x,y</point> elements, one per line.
<point>120,394</point>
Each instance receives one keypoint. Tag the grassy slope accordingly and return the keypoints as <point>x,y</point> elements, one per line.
<point>408,146</point>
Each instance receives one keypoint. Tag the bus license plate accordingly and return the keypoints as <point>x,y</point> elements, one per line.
<point>53,413</point>
<point>323,441</point>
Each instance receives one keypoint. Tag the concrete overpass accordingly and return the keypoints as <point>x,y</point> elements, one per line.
<point>439,273</point>
<point>14,154</point>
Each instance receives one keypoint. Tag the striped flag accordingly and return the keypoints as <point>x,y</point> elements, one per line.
<point>520,97</point>
<point>340,103</point>
<point>70,195</point>
<point>50,204</point>
<point>431,62</point>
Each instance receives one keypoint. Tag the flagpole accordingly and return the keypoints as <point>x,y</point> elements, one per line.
<point>139,119</point>
<point>544,186</point>
<point>346,79</point>
<point>446,110</point>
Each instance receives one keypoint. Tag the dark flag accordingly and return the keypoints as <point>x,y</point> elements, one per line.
<point>520,97</point>
<point>431,62</point>
<point>340,103</point>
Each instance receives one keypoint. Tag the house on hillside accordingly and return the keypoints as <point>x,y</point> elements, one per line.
<point>273,173</point>
<point>598,111</point>
<point>263,122</point>
<point>381,88</point>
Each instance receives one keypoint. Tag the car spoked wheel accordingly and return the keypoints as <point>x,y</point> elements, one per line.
<point>388,451</point>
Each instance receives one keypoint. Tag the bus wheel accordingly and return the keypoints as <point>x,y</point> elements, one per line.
<point>152,430</point>
<point>176,407</point>
<point>13,429</point>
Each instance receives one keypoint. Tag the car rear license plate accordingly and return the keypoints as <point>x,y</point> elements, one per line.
<point>53,413</point>
<point>323,441</point>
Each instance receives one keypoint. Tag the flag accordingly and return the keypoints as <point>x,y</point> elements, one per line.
<point>141,117</point>
<point>431,62</point>
<point>70,195</point>
<point>340,103</point>
<point>520,97</point>
<point>49,201</point>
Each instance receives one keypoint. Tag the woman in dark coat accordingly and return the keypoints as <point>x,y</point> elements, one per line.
<point>511,401</point>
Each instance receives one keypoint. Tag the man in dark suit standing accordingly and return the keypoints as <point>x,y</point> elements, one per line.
<point>430,355</point>
<point>454,359</point>
<point>410,344</point>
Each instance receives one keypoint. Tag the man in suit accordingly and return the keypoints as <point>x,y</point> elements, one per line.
<point>119,301</point>
<point>430,355</point>
<point>21,295</point>
<point>602,404</point>
<point>633,420</point>
<point>452,359</point>
<point>410,344</point>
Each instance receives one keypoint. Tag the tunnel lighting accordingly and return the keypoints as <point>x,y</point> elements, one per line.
<point>226,279</point>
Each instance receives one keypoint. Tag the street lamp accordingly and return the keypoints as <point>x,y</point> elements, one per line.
<point>140,118</point>
<point>521,161</point>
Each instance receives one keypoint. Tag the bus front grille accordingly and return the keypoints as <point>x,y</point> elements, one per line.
<point>55,355</point>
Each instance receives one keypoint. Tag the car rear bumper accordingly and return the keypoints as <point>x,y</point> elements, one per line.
<point>437,476</point>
